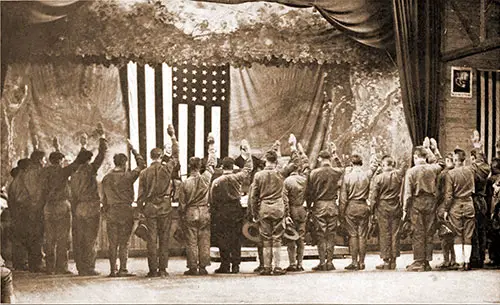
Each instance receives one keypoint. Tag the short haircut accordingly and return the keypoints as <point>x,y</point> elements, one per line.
<point>86,155</point>
<point>389,160</point>
<point>356,160</point>
<point>460,153</point>
<point>14,172</point>
<point>55,157</point>
<point>156,153</point>
<point>293,167</point>
<point>194,164</point>
<point>449,156</point>
<point>477,154</point>
<point>23,163</point>
<point>37,156</point>
<point>228,163</point>
<point>120,159</point>
<point>420,152</point>
<point>271,156</point>
<point>495,163</point>
<point>325,154</point>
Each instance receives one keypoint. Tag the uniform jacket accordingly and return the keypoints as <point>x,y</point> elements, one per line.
<point>294,191</point>
<point>421,180</point>
<point>55,179</point>
<point>386,186</point>
<point>459,186</point>
<point>355,186</point>
<point>267,194</point>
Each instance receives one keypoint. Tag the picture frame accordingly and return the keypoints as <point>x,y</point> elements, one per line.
<point>461,82</point>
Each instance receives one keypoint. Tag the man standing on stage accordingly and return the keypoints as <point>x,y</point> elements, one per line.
<point>194,212</point>
<point>155,203</point>
<point>355,210</point>
<point>118,195</point>
<point>228,214</point>
<point>420,202</point>
<point>386,206</point>
<point>86,208</point>
<point>321,195</point>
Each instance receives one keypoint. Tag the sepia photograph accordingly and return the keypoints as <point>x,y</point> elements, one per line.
<point>250,152</point>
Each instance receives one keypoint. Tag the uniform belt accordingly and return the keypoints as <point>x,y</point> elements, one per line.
<point>359,201</point>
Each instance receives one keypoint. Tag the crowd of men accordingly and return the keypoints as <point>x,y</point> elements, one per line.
<point>50,204</point>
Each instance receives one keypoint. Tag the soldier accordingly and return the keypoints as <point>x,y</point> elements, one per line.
<point>355,210</point>
<point>449,259</point>
<point>269,209</point>
<point>86,208</point>
<point>386,206</point>
<point>482,172</point>
<point>57,210</point>
<point>321,195</point>
<point>228,214</point>
<point>294,188</point>
<point>420,202</point>
<point>194,212</point>
<point>493,203</point>
<point>155,204</point>
<point>459,206</point>
<point>118,195</point>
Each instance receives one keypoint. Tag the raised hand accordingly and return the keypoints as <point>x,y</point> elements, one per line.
<point>83,139</point>
<point>292,140</point>
<point>130,146</point>
<point>433,144</point>
<point>55,143</point>
<point>476,139</point>
<point>100,130</point>
<point>171,130</point>
<point>35,142</point>
<point>210,138</point>
<point>427,143</point>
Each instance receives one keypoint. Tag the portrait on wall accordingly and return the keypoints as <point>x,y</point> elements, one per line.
<point>461,82</point>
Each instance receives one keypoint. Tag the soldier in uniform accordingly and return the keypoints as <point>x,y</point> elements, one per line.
<point>355,210</point>
<point>459,206</point>
<point>194,212</point>
<point>155,204</point>
<point>57,210</point>
<point>118,195</point>
<point>269,209</point>
<point>482,172</point>
<point>420,201</point>
<point>86,208</point>
<point>449,259</point>
<point>228,214</point>
<point>321,195</point>
<point>493,203</point>
<point>386,206</point>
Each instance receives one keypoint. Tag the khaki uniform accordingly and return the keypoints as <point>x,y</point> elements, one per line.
<point>294,189</point>
<point>321,195</point>
<point>118,195</point>
<point>481,173</point>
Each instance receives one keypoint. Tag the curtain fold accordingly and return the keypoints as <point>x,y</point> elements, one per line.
<point>417,28</point>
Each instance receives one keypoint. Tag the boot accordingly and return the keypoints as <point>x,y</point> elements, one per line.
<point>384,266</point>
<point>267,253</point>
<point>277,255</point>
<point>260,256</point>
<point>354,247</point>
<point>278,271</point>
<point>291,253</point>
<point>322,251</point>
<point>418,266</point>
<point>300,253</point>
<point>393,264</point>
<point>202,271</point>
<point>362,253</point>
<point>191,271</point>
<point>223,268</point>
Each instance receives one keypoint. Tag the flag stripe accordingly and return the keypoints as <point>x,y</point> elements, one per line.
<point>159,105</point>
<point>488,111</point>
<point>141,102</point>
<point>183,136</point>
<point>191,130</point>
<point>167,98</point>
<point>134,111</point>
<point>150,122</point>
<point>216,128</point>
<point>199,150</point>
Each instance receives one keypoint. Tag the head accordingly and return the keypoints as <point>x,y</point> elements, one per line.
<point>495,166</point>
<point>86,155</point>
<point>56,158</point>
<point>120,160</point>
<point>38,157</point>
<point>476,156</point>
<point>14,172</point>
<point>194,164</point>
<point>324,157</point>
<point>448,160</point>
<point>356,160</point>
<point>293,168</point>
<point>227,164</point>
<point>459,157</point>
<point>156,154</point>
<point>419,155</point>
<point>388,163</point>
<point>271,158</point>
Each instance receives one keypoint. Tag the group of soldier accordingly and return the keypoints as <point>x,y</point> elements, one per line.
<point>50,203</point>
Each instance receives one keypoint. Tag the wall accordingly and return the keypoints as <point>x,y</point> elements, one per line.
<point>458,115</point>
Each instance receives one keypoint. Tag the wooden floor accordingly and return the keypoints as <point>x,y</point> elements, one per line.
<point>340,286</point>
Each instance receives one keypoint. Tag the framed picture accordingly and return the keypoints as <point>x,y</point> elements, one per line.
<point>461,82</point>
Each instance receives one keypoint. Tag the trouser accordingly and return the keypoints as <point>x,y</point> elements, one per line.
<point>325,225</point>
<point>389,223</point>
<point>197,232</point>
<point>7,288</point>
<point>357,216</point>
<point>296,247</point>
<point>271,231</point>
<point>86,222</point>
<point>28,241</point>
<point>119,232</point>
<point>228,237</point>
<point>479,234</point>
<point>462,220</point>
<point>57,217</point>
<point>423,217</point>
<point>159,236</point>
<point>448,251</point>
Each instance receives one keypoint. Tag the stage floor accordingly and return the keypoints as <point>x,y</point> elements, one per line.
<point>340,286</point>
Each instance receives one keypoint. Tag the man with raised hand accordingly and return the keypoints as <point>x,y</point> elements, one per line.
<point>155,204</point>
<point>321,196</point>
<point>420,202</point>
<point>355,209</point>
<point>194,212</point>
<point>386,206</point>
<point>86,207</point>
<point>118,195</point>
<point>228,214</point>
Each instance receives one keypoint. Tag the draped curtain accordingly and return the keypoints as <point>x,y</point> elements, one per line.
<point>417,27</point>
